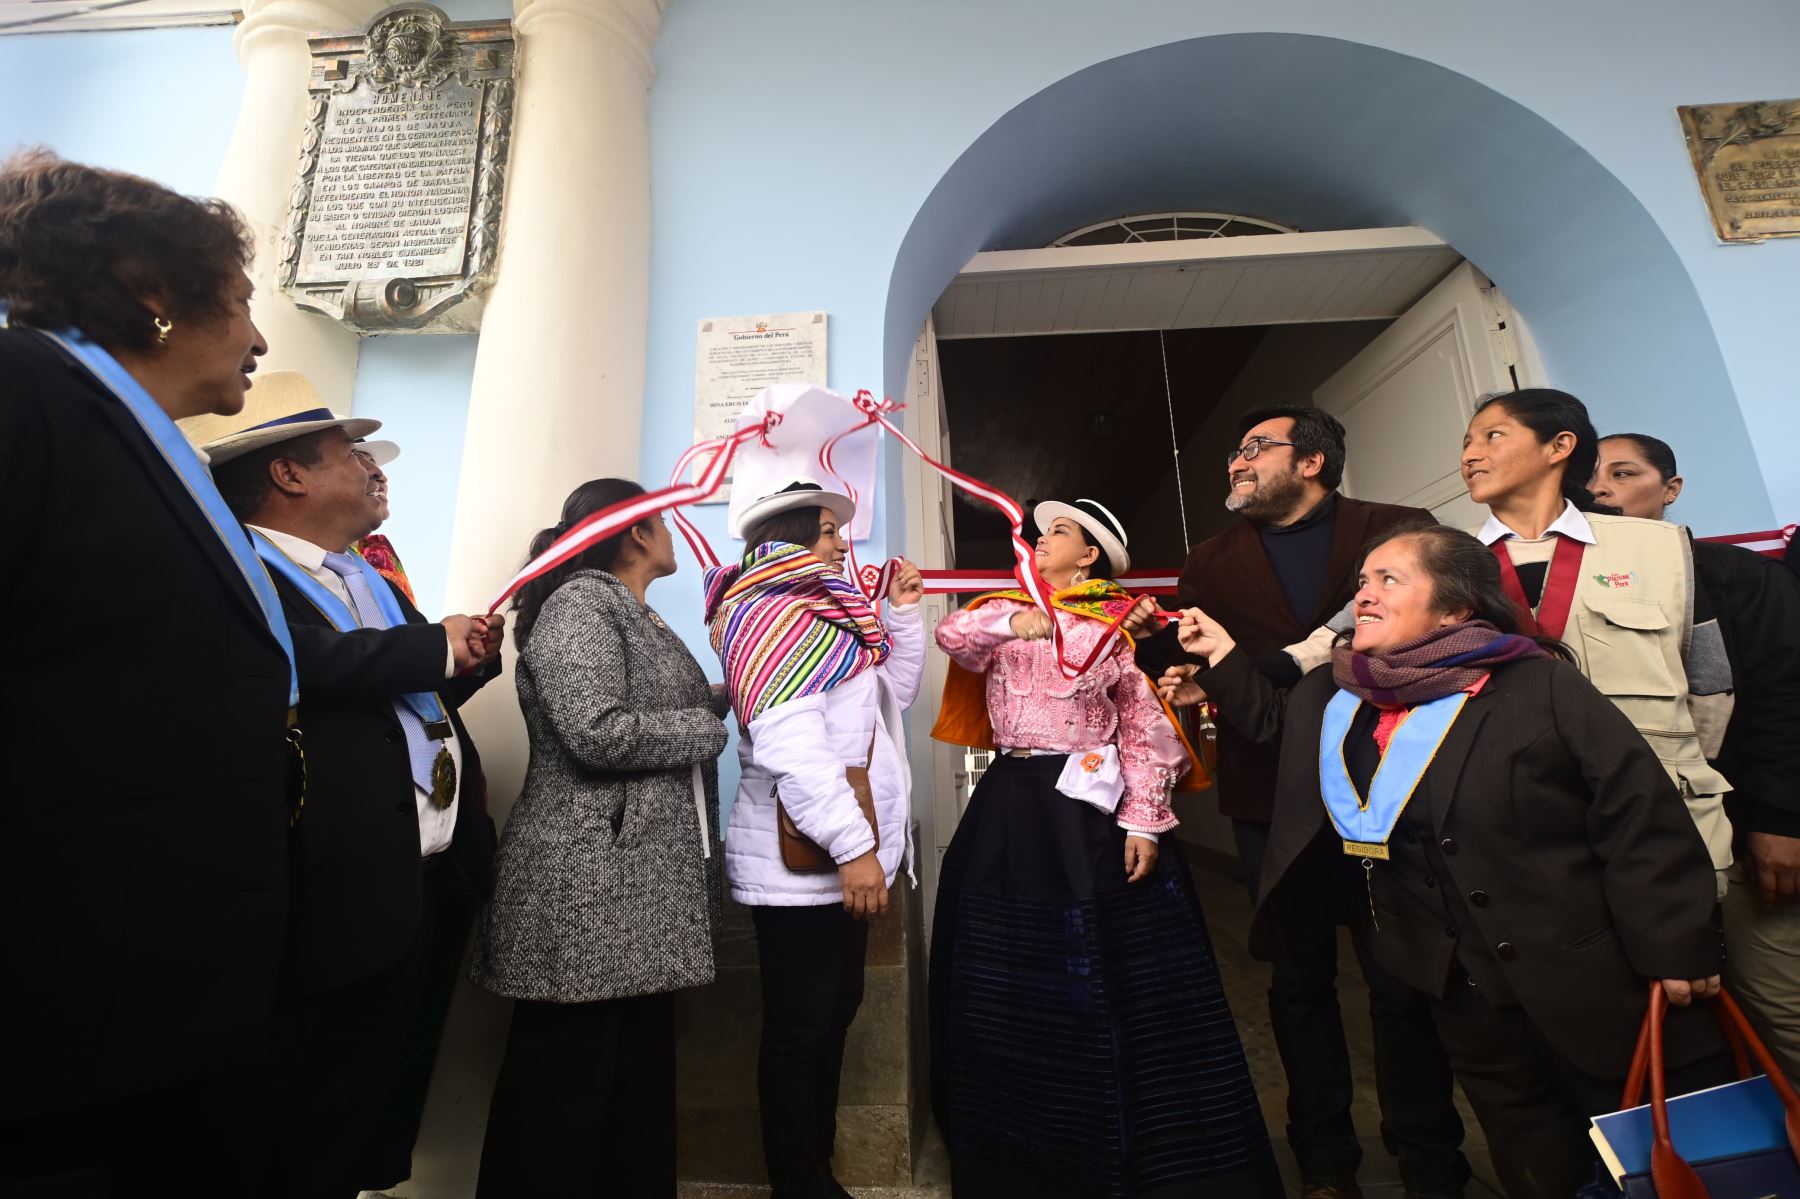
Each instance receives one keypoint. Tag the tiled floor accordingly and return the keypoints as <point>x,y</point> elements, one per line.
<point>1246,981</point>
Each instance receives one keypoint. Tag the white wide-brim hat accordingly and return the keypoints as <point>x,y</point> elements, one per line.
<point>279,406</point>
<point>1100,524</point>
<point>800,493</point>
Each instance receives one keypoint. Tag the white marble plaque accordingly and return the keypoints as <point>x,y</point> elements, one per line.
<point>737,356</point>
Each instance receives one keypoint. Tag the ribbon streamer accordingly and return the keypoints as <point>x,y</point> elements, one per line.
<point>616,518</point>
<point>1025,570</point>
<point>619,517</point>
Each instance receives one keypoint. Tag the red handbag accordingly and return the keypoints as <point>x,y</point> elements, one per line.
<point>1673,1177</point>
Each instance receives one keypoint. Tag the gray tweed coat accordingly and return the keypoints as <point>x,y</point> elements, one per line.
<point>601,890</point>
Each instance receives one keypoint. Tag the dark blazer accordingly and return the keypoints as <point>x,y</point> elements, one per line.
<point>144,815</point>
<point>357,876</point>
<point>1757,603</point>
<point>1229,577</point>
<point>1545,800</point>
<point>144,819</point>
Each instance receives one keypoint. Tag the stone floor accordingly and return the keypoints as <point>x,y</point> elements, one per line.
<point>1246,981</point>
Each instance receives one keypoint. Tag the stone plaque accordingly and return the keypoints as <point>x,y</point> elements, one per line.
<point>1748,160</point>
<point>395,216</point>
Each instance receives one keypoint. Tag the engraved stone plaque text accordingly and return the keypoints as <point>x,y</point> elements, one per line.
<point>1748,159</point>
<point>395,216</point>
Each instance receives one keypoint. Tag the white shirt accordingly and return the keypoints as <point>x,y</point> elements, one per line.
<point>436,825</point>
<point>1571,523</point>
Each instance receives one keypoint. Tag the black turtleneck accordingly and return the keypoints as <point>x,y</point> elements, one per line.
<point>1300,555</point>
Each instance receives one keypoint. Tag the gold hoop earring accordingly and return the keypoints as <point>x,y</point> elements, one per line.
<point>1081,576</point>
<point>162,330</point>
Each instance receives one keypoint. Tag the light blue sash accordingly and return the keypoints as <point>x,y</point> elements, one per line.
<point>425,704</point>
<point>195,477</point>
<point>1366,823</point>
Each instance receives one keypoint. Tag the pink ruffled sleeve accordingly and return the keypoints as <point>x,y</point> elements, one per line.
<point>971,637</point>
<point>1151,756</point>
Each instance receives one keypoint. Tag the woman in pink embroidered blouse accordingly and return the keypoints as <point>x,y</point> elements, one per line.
<point>1072,976</point>
<point>1033,707</point>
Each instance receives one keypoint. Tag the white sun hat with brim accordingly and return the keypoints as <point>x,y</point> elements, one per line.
<point>279,406</point>
<point>800,493</point>
<point>1099,523</point>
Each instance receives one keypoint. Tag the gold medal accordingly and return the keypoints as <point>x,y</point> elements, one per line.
<point>443,779</point>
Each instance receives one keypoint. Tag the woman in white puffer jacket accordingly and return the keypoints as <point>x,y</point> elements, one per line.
<point>819,684</point>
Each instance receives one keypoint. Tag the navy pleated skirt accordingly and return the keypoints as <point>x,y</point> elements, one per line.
<point>1082,1047</point>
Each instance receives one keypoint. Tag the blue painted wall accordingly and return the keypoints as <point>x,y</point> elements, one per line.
<point>418,388</point>
<point>797,144</point>
<point>158,102</point>
<point>792,157</point>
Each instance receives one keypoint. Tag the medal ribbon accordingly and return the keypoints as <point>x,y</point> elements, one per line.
<point>1552,615</point>
<point>424,704</point>
<point>194,476</point>
<point>1366,822</point>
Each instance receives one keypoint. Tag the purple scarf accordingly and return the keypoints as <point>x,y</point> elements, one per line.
<point>1442,662</point>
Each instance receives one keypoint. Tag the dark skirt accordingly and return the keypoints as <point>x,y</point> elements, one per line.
<point>1081,1041</point>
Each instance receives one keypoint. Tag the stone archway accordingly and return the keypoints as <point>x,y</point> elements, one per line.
<point>1331,134</point>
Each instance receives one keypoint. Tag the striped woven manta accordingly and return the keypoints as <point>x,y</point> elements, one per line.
<point>786,625</point>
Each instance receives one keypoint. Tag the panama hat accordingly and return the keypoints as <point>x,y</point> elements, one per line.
<point>279,406</point>
<point>801,493</point>
<point>1100,524</point>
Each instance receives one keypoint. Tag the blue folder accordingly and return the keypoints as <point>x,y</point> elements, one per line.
<point>1729,1121</point>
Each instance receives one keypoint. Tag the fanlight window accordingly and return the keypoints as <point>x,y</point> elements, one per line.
<point>1170,226</point>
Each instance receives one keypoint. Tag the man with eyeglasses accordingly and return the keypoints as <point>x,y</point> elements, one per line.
<point>1274,580</point>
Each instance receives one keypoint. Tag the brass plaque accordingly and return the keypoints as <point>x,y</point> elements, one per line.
<point>1748,159</point>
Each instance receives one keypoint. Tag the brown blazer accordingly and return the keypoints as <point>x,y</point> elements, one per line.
<point>1229,576</point>
<point>1577,871</point>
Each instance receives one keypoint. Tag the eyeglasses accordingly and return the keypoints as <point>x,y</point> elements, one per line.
<point>1250,449</point>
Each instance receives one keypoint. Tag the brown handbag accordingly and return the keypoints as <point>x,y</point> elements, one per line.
<point>802,854</point>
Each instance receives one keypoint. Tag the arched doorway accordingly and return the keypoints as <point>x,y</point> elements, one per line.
<point>1326,134</point>
<point>1336,135</point>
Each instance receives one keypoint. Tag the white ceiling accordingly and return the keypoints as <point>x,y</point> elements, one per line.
<point>1363,274</point>
<point>61,16</point>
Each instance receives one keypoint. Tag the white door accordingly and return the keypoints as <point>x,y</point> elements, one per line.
<point>941,781</point>
<point>1406,399</point>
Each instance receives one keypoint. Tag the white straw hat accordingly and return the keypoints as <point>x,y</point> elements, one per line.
<point>1100,524</point>
<point>279,406</point>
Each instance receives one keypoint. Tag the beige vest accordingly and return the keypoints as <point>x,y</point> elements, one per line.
<point>1629,626</point>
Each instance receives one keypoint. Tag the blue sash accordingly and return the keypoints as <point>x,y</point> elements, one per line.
<point>1366,823</point>
<point>195,477</point>
<point>424,704</point>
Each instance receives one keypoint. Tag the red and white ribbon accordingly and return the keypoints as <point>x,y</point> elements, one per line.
<point>1025,571</point>
<point>1771,543</point>
<point>616,518</point>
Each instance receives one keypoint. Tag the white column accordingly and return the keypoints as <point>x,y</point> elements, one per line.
<point>258,176</point>
<point>556,399</point>
<point>557,395</point>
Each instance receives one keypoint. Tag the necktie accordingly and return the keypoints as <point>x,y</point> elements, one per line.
<point>422,749</point>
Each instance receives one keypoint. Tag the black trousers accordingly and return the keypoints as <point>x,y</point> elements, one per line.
<point>167,1142</point>
<point>332,1078</point>
<point>452,905</point>
<point>1533,1103</point>
<point>812,983</point>
<point>1413,1078</point>
<point>585,1102</point>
